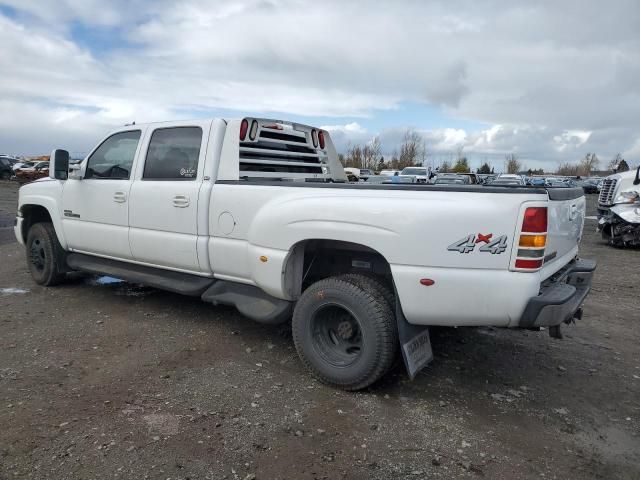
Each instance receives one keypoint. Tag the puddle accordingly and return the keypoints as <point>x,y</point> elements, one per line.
<point>13,291</point>
<point>121,287</point>
<point>105,280</point>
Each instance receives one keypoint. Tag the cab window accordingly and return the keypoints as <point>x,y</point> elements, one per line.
<point>113,159</point>
<point>173,154</point>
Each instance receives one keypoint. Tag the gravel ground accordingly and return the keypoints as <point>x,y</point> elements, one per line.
<point>112,380</point>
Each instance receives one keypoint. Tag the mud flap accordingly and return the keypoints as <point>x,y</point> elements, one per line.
<point>414,343</point>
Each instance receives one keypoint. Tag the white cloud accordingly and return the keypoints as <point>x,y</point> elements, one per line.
<point>543,75</point>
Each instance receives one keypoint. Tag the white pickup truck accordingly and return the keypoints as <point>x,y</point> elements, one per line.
<point>256,213</point>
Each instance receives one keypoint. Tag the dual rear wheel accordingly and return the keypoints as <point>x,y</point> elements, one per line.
<point>344,330</point>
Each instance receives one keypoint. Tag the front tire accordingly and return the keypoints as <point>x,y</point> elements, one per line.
<point>45,256</point>
<point>345,332</point>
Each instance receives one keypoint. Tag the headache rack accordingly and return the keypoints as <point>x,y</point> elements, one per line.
<point>281,150</point>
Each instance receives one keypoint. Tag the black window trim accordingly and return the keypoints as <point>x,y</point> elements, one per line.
<point>102,143</point>
<point>150,179</point>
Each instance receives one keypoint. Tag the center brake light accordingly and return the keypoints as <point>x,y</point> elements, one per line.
<point>533,239</point>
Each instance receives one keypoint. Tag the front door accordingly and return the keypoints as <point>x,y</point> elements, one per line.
<point>96,208</point>
<point>163,211</point>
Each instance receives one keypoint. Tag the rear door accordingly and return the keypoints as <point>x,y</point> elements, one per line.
<point>163,212</point>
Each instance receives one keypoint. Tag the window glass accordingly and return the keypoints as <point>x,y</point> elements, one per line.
<point>173,154</point>
<point>114,158</point>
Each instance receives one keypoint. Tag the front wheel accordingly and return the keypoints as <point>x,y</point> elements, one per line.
<point>45,256</point>
<point>345,332</point>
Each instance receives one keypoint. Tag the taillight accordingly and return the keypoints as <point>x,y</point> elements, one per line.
<point>321,139</point>
<point>535,220</point>
<point>254,130</point>
<point>314,138</point>
<point>244,126</point>
<point>533,239</point>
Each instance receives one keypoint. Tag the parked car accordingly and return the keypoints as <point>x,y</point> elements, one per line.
<point>365,173</point>
<point>6,172</point>
<point>451,180</point>
<point>421,174</point>
<point>536,181</point>
<point>27,174</point>
<point>507,180</point>
<point>471,178</point>
<point>555,183</point>
<point>353,174</point>
<point>590,186</point>
<point>389,173</point>
<point>216,210</point>
<point>619,209</point>
<point>22,164</point>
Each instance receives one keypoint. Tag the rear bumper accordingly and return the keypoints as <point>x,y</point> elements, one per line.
<point>560,297</point>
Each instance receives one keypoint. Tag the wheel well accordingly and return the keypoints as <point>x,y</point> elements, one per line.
<point>33,214</point>
<point>313,260</point>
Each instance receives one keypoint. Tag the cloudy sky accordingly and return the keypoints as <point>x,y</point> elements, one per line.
<point>548,80</point>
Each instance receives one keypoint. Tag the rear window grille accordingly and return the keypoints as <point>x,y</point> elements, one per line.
<point>282,154</point>
<point>606,192</point>
<point>278,146</point>
<point>282,136</point>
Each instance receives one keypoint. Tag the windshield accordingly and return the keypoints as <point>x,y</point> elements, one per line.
<point>414,171</point>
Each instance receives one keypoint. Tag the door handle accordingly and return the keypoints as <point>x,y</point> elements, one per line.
<point>120,197</point>
<point>181,201</point>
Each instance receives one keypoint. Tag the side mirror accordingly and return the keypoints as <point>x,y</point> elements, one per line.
<point>59,164</point>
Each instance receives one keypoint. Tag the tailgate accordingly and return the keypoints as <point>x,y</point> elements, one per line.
<point>566,211</point>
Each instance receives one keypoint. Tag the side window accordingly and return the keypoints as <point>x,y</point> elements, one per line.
<point>173,154</point>
<point>114,157</point>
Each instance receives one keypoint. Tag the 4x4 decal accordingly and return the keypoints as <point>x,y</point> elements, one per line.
<point>468,244</point>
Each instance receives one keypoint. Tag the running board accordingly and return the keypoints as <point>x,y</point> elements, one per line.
<point>250,301</point>
<point>183,283</point>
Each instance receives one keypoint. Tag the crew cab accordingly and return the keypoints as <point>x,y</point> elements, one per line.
<point>257,213</point>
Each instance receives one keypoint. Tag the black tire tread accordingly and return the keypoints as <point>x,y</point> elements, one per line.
<point>56,273</point>
<point>383,322</point>
<point>372,282</point>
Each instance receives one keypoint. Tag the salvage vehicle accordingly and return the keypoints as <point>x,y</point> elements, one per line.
<point>257,213</point>
<point>30,173</point>
<point>619,209</point>
<point>6,172</point>
<point>421,174</point>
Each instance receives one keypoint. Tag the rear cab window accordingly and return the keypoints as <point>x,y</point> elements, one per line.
<point>173,154</point>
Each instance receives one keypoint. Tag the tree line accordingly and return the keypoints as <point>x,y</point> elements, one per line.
<point>413,152</point>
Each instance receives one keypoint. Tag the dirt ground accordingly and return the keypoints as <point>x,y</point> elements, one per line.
<point>111,380</point>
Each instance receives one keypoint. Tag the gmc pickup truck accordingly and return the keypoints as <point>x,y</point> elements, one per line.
<point>257,213</point>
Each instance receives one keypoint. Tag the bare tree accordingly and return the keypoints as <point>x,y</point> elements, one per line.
<point>588,164</point>
<point>568,169</point>
<point>445,167</point>
<point>511,163</point>
<point>615,162</point>
<point>371,154</point>
<point>413,150</point>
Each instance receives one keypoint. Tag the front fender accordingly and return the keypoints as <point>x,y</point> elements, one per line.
<point>628,213</point>
<point>46,195</point>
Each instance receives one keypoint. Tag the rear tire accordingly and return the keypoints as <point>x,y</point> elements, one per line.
<point>345,331</point>
<point>45,256</point>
